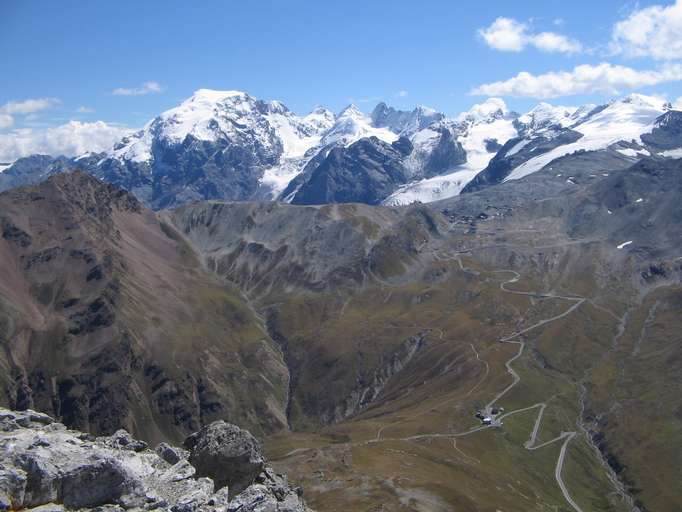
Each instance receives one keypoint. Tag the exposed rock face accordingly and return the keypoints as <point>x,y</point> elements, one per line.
<point>369,388</point>
<point>42,464</point>
<point>227,454</point>
<point>365,172</point>
<point>404,122</point>
<point>667,132</point>
<point>34,168</point>
<point>517,151</point>
<point>442,156</point>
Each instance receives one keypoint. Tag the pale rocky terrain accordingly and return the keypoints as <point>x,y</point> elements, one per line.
<point>45,466</point>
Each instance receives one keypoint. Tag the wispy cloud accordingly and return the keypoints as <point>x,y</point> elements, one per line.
<point>510,35</point>
<point>584,79</point>
<point>28,108</point>
<point>653,32</point>
<point>85,110</point>
<point>402,94</point>
<point>146,88</point>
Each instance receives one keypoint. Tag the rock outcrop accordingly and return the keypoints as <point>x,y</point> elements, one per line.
<point>44,465</point>
<point>227,454</point>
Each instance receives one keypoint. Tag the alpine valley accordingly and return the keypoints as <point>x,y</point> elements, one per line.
<point>412,312</point>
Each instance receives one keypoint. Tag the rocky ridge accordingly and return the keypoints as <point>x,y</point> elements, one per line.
<point>45,466</point>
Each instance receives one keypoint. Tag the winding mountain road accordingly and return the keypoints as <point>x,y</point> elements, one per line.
<point>516,378</point>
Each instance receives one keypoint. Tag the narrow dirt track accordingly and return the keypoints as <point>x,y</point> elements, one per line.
<point>516,378</point>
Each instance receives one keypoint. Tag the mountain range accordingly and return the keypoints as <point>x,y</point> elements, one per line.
<point>227,145</point>
<point>413,312</point>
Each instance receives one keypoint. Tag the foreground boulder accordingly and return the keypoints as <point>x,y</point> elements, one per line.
<point>227,454</point>
<point>42,464</point>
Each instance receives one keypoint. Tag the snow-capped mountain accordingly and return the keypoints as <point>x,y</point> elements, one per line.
<point>481,131</point>
<point>226,133</point>
<point>228,145</point>
<point>352,125</point>
<point>614,131</point>
<point>546,116</point>
<point>625,120</point>
<point>405,123</point>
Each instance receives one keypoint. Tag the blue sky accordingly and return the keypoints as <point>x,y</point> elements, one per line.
<point>305,53</point>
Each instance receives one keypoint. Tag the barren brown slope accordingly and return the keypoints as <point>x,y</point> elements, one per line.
<point>108,320</point>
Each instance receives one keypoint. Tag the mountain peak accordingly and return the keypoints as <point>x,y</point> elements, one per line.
<point>489,110</point>
<point>214,95</point>
<point>277,107</point>
<point>644,100</point>
<point>351,111</point>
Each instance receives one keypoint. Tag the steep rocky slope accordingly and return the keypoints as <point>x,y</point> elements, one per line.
<point>108,320</point>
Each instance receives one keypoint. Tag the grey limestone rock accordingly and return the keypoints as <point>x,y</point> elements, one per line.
<point>47,468</point>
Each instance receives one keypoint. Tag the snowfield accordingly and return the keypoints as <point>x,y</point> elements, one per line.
<point>624,120</point>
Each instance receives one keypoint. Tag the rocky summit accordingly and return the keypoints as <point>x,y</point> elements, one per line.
<point>46,467</point>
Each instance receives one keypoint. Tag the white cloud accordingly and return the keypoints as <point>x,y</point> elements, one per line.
<point>28,108</point>
<point>677,104</point>
<point>552,42</point>
<point>146,88</point>
<point>70,139</point>
<point>401,94</point>
<point>654,32</point>
<point>510,35</point>
<point>583,79</point>
<point>505,34</point>
<point>6,121</point>
<point>85,110</point>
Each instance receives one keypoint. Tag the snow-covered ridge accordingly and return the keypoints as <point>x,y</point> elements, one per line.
<point>544,116</point>
<point>352,125</point>
<point>282,142</point>
<point>623,120</point>
<point>210,115</point>
<point>485,126</point>
<point>486,112</point>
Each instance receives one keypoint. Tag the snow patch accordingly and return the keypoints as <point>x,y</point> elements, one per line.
<point>672,153</point>
<point>518,147</point>
<point>634,152</point>
<point>624,244</point>
<point>432,189</point>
